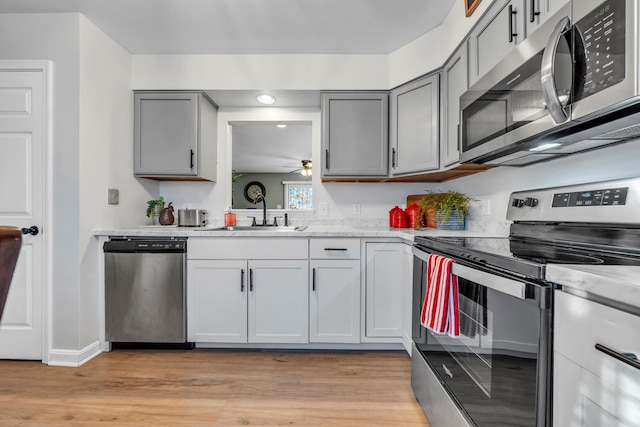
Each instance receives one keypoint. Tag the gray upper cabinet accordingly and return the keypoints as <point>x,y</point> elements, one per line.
<point>497,33</point>
<point>415,126</point>
<point>454,84</point>
<point>355,137</point>
<point>174,136</point>
<point>538,11</point>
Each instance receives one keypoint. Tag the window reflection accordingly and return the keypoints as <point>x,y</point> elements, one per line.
<point>299,195</point>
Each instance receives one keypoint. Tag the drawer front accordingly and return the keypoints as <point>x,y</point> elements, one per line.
<point>580,324</point>
<point>247,248</point>
<point>334,248</point>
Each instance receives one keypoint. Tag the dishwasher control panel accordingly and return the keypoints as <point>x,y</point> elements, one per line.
<point>145,245</point>
<point>163,245</point>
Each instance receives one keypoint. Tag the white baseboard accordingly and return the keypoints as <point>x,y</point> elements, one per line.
<point>74,358</point>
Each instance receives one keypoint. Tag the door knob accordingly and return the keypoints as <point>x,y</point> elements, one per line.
<point>33,230</point>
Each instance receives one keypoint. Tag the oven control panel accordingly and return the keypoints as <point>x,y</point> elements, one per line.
<point>607,197</point>
<point>615,202</point>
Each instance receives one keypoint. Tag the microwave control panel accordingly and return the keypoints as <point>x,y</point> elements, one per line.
<point>602,33</point>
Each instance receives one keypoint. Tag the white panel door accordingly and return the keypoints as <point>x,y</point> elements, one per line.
<point>384,287</point>
<point>217,301</point>
<point>278,301</point>
<point>334,301</point>
<point>22,166</point>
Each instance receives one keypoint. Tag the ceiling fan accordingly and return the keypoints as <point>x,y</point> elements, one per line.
<point>305,170</point>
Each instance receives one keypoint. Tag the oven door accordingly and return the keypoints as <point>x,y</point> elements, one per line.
<point>497,370</point>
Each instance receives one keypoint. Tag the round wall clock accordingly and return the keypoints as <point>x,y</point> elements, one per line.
<point>254,189</point>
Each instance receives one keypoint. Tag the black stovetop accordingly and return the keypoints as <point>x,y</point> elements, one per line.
<point>532,246</point>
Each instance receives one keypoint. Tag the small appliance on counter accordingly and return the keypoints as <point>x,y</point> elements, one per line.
<point>192,217</point>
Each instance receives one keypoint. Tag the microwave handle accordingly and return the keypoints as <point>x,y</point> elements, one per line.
<point>556,110</point>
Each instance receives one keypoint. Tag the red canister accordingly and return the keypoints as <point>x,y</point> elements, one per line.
<point>415,216</point>
<point>401,219</point>
<point>392,217</point>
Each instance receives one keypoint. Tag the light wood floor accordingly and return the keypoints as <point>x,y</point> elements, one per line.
<point>213,388</point>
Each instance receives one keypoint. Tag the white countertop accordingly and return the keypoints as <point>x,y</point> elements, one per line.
<point>310,231</point>
<point>619,283</point>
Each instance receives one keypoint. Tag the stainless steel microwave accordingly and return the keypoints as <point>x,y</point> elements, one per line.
<point>572,85</point>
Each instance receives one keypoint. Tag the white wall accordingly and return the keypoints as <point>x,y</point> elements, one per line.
<point>105,161</point>
<point>55,37</point>
<point>208,72</point>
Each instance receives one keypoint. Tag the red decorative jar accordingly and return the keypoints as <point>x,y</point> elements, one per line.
<point>392,217</point>
<point>415,216</point>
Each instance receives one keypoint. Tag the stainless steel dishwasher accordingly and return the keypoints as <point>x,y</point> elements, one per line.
<point>145,290</point>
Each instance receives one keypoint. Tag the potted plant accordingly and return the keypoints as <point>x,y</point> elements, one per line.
<point>154,208</point>
<point>447,210</point>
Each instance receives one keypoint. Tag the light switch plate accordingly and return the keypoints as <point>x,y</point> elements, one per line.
<point>356,208</point>
<point>114,196</point>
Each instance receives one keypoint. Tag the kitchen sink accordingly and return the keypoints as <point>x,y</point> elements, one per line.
<point>254,228</point>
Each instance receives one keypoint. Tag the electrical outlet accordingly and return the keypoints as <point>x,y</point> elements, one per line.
<point>356,208</point>
<point>486,207</point>
<point>323,209</point>
<point>113,196</point>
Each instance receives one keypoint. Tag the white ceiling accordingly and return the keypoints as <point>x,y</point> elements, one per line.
<point>252,26</point>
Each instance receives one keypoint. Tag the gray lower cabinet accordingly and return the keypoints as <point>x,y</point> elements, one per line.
<point>174,135</point>
<point>415,126</point>
<point>497,33</point>
<point>538,11</point>
<point>355,134</point>
<point>454,83</point>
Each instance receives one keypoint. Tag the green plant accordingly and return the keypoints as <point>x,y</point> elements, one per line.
<point>151,205</point>
<point>446,203</point>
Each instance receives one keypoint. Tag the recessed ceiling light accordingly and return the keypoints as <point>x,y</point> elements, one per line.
<point>281,126</point>
<point>266,99</point>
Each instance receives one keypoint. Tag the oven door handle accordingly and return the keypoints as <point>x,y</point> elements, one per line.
<point>491,281</point>
<point>424,256</point>
<point>488,280</point>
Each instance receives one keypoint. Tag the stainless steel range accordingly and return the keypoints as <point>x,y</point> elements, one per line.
<point>498,371</point>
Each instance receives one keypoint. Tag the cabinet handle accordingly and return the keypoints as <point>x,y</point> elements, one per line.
<point>511,33</point>
<point>335,249</point>
<point>393,158</point>
<point>251,280</point>
<point>242,280</point>
<point>191,159</point>
<point>326,158</point>
<point>628,358</point>
<point>313,280</point>
<point>533,14</point>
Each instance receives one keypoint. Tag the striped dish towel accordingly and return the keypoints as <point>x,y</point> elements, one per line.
<point>440,308</point>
